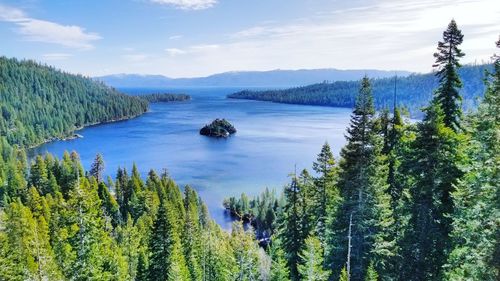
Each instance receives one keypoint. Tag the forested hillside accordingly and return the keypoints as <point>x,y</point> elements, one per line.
<point>413,91</point>
<point>39,103</point>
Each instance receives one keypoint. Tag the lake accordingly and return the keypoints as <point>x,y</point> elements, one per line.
<point>271,140</point>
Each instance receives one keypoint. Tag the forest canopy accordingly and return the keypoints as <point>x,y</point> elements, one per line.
<point>39,103</point>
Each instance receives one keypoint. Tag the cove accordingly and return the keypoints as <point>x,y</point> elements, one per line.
<point>272,140</point>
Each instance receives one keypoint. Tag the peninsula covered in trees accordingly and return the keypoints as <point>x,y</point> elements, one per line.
<point>164,97</point>
<point>413,92</point>
<point>404,201</point>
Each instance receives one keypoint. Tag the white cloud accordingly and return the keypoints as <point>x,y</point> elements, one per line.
<point>175,37</point>
<point>56,56</point>
<point>187,4</point>
<point>200,49</point>
<point>204,47</point>
<point>384,35</point>
<point>48,32</point>
<point>174,52</point>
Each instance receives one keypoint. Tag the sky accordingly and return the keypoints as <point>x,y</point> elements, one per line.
<point>190,38</point>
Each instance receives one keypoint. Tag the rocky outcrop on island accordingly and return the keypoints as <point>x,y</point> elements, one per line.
<point>219,128</point>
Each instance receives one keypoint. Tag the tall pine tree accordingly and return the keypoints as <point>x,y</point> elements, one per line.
<point>447,59</point>
<point>362,185</point>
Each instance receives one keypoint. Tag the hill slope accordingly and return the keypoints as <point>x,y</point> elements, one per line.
<point>273,78</point>
<point>39,103</point>
<point>413,92</point>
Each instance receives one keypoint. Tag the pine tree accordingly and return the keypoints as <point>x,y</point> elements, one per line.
<point>191,236</point>
<point>217,257</point>
<point>311,266</point>
<point>26,253</point>
<point>476,254</point>
<point>165,248</point>
<point>97,168</point>
<point>447,59</point>
<point>433,167</point>
<point>245,250</point>
<point>142,268</point>
<point>291,231</point>
<point>325,193</point>
<point>128,239</point>
<point>159,245</point>
<point>344,276</point>
<point>371,273</point>
<point>279,268</point>
<point>39,175</point>
<point>363,186</point>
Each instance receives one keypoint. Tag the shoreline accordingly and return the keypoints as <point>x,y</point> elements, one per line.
<point>74,135</point>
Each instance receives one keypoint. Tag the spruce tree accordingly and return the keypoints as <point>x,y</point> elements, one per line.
<point>97,168</point>
<point>433,169</point>
<point>159,245</point>
<point>292,231</point>
<point>362,185</point>
<point>371,273</point>
<point>279,268</point>
<point>325,193</point>
<point>245,251</point>
<point>344,276</point>
<point>311,265</point>
<point>447,60</point>
<point>26,253</point>
<point>166,257</point>
<point>191,236</point>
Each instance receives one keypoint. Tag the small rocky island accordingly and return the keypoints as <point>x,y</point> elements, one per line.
<point>219,128</point>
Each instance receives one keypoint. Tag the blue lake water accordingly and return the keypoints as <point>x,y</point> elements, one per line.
<point>271,139</point>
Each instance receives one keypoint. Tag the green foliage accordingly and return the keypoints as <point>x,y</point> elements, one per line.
<point>325,194</point>
<point>40,103</point>
<point>476,224</point>
<point>447,95</point>
<point>405,201</point>
<point>279,268</point>
<point>311,266</point>
<point>164,97</point>
<point>218,128</point>
<point>371,273</point>
<point>97,168</point>
<point>246,253</point>
<point>261,212</point>
<point>433,168</point>
<point>363,188</point>
<point>344,276</point>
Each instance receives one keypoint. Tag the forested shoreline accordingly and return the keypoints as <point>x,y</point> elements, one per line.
<point>164,97</point>
<point>413,92</point>
<point>404,201</point>
<point>40,103</point>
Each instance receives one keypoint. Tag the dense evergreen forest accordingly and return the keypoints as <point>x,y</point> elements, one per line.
<point>39,103</point>
<point>405,201</point>
<point>413,92</point>
<point>164,97</point>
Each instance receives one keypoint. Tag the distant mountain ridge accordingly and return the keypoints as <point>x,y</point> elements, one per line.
<point>271,78</point>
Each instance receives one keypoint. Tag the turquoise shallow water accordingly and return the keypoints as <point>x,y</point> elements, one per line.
<point>271,139</point>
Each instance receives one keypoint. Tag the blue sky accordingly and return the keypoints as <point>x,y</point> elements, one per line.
<point>187,38</point>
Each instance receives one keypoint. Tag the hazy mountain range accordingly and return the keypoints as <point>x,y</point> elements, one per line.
<point>272,78</point>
